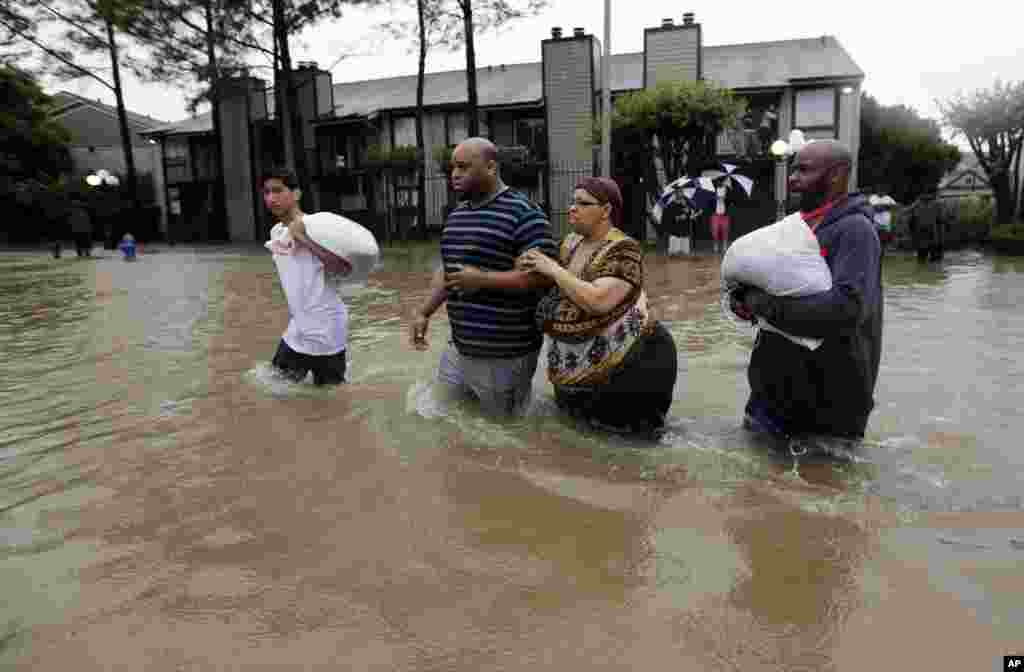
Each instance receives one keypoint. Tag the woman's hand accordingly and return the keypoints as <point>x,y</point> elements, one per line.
<point>535,261</point>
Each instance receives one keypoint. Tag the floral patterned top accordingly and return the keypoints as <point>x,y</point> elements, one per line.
<point>584,349</point>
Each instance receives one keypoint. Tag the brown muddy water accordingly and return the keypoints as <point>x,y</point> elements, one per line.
<point>167,504</point>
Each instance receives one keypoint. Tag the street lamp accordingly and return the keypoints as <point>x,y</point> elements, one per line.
<point>782,150</point>
<point>779,150</point>
<point>102,177</point>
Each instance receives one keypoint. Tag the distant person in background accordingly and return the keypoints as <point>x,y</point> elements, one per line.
<point>927,226</point>
<point>720,223</point>
<point>767,130</point>
<point>80,224</point>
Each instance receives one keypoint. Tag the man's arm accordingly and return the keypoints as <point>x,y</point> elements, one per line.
<point>855,288</point>
<point>438,294</point>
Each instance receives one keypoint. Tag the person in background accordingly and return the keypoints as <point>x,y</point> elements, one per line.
<point>720,222</point>
<point>80,224</point>
<point>609,360</point>
<point>927,226</point>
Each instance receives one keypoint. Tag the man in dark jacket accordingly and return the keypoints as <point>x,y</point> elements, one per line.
<point>828,391</point>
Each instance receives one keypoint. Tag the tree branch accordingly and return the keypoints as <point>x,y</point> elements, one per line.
<point>56,54</point>
<point>77,26</point>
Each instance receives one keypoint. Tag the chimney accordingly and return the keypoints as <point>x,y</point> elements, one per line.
<point>556,33</point>
<point>672,52</point>
<point>577,32</point>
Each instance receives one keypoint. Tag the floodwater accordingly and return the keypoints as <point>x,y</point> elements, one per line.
<point>166,503</point>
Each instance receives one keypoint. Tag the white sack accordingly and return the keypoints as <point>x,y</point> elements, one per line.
<point>348,239</point>
<point>783,259</point>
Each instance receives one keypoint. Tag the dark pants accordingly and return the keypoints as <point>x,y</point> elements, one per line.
<point>930,253</point>
<point>327,369</point>
<point>638,395</point>
<point>83,244</point>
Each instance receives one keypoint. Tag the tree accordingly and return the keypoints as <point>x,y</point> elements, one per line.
<point>992,120</point>
<point>676,123</point>
<point>901,153</point>
<point>34,143</point>
<point>89,27</point>
<point>454,23</point>
<point>200,43</point>
<point>290,17</point>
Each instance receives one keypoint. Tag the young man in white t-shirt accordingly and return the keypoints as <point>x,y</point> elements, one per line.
<point>317,332</point>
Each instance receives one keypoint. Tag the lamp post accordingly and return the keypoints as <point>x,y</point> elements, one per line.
<point>779,150</point>
<point>782,150</point>
<point>98,179</point>
<point>606,94</point>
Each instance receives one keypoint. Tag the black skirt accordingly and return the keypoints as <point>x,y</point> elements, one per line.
<point>638,393</point>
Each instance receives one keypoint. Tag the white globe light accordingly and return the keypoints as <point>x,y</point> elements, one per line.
<point>93,180</point>
<point>779,148</point>
<point>103,174</point>
<point>796,140</point>
<point>112,180</point>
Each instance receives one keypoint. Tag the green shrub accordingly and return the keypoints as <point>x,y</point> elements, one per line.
<point>975,213</point>
<point>397,154</point>
<point>1013,231</point>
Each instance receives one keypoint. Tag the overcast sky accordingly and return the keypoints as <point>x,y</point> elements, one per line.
<point>910,56</point>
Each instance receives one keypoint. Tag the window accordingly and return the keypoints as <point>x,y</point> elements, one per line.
<point>820,134</point>
<point>816,107</point>
<point>176,149</point>
<point>457,128</point>
<point>405,131</point>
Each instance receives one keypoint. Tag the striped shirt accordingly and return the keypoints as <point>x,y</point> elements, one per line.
<point>495,323</point>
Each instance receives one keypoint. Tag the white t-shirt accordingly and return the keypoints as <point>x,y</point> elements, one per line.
<point>319,318</point>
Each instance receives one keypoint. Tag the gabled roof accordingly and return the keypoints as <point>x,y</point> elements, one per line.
<point>202,123</point>
<point>66,102</point>
<point>735,66</point>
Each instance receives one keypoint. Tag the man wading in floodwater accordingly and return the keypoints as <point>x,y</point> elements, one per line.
<point>495,341</point>
<point>827,391</point>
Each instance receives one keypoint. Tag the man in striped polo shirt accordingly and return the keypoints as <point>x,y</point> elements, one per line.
<point>494,345</point>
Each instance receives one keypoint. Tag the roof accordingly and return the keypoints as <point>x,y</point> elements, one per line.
<point>202,123</point>
<point>66,102</point>
<point>735,66</point>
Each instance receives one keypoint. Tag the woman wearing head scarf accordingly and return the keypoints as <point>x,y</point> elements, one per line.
<point>609,360</point>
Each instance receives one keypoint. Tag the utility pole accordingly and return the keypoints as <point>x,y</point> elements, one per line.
<point>606,94</point>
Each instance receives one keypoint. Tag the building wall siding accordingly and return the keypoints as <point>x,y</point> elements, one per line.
<point>91,127</point>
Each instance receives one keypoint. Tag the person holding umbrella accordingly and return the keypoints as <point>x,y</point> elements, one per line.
<point>724,180</point>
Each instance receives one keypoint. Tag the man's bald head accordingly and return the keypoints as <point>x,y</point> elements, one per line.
<point>821,173</point>
<point>475,167</point>
<point>829,153</point>
<point>481,147</point>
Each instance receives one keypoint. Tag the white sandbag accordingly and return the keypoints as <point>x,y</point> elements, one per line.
<point>348,239</point>
<point>783,259</point>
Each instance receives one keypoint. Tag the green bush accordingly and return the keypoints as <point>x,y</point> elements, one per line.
<point>397,154</point>
<point>975,214</point>
<point>1013,231</point>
